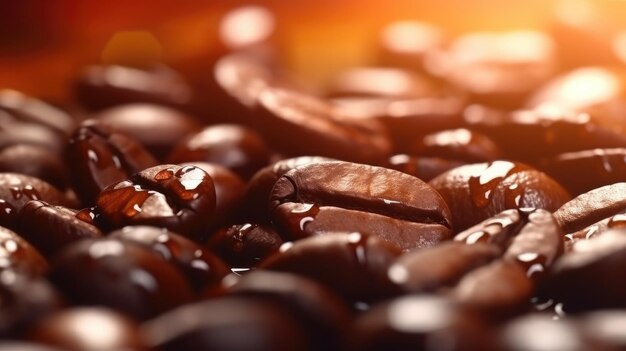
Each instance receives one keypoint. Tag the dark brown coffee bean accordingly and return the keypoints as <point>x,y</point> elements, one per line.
<point>457,144</point>
<point>180,198</point>
<point>499,289</point>
<point>16,254</point>
<point>244,245</point>
<point>380,82</point>
<point>237,148</point>
<point>35,161</point>
<point>341,196</point>
<point>444,265</point>
<point>27,120</point>
<point>201,267</point>
<point>600,166</point>
<point>322,314</point>
<point>99,157</point>
<point>229,190</point>
<point>25,300</point>
<point>588,278</point>
<point>228,324</point>
<point>87,329</point>
<point>616,221</point>
<point>497,230</point>
<point>51,228</point>
<point>352,265</point>
<point>260,186</point>
<point>421,322</point>
<point>121,275</point>
<point>592,207</point>
<point>424,168</point>
<point>500,69</point>
<point>158,128</point>
<point>99,87</point>
<point>478,191</point>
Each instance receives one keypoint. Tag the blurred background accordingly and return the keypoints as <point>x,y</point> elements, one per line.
<point>44,43</point>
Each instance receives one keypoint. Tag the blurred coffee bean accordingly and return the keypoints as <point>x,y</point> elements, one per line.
<point>244,245</point>
<point>35,161</point>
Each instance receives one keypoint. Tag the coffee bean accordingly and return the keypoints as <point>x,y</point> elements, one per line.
<point>457,144</point>
<point>35,161</point>
<point>591,207</point>
<point>424,168</point>
<point>244,245</point>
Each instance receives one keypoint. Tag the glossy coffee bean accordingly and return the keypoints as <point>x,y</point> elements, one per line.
<point>158,128</point>
<point>98,157</point>
<point>51,228</point>
<point>500,69</point>
<point>419,322</point>
<point>341,196</point>
<point>226,324</point>
<point>237,148</point>
<point>26,120</point>
<point>441,266</point>
<point>498,230</point>
<point>601,166</point>
<point>25,300</point>
<point>612,222</point>
<point>534,134</point>
<point>17,189</point>
<point>380,82</point>
<point>588,278</point>
<point>87,329</point>
<point>591,207</point>
<point>478,191</point>
<point>16,254</point>
<point>424,168</point>
<point>458,144</point>
<point>352,265</point>
<point>100,87</point>
<point>260,186</point>
<point>35,161</point>
<point>244,245</point>
<point>201,267</point>
<point>323,315</point>
<point>229,190</point>
<point>124,276</point>
<point>179,198</point>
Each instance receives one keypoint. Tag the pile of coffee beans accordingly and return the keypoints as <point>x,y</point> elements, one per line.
<point>462,193</point>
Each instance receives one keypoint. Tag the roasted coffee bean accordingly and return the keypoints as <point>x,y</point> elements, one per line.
<point>201,267</point>
<point>87,329</point>
<point>27,120</point>
<point>179,198</point>
<point>99,87</point>
<point>444,265</point>
<point>500,69</point>
<point>616,221</point>
<point>534,134</point>
<point>591,207</point>
<point>588,278</point>
<point>478,191</point>
<point>497,230</point>
<point>260,186</point>
<point>121,275</point>
<point>228,324</point>
<point>420,322</point>
<point>424,168</point>
<point>605,327</point>
<point>600,166</point>
<point>244,245</point>
<point>458,144</point>
<point>499,289</point>
<point>341,196</point>
<point>158,128</point>
<point>51,228</point>
<point>229,190</point>
<point>380,82</point>
<point>25,300</point>
<point>323,316</point>
<point>99,156</point>
<point>16,254</point>
<point>411,44</point>
<point>35,161</point>
<point>352,265</point>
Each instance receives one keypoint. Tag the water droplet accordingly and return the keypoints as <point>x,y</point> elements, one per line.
<point>482,184</point>
<point>164,175</point>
